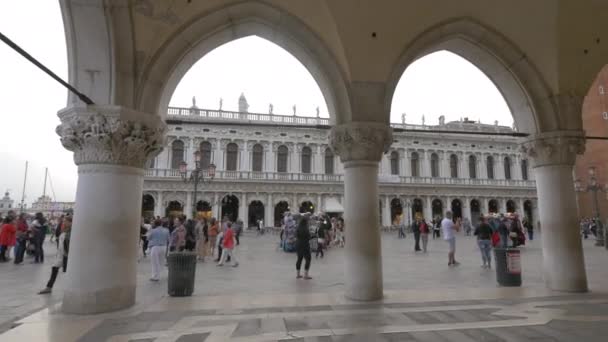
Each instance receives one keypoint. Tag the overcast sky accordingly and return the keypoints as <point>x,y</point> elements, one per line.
<point>438,84</point>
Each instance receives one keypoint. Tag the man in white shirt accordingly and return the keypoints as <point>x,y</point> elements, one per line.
<point>449,228</point>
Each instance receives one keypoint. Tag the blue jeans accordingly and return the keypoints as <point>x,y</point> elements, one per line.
<point>20,251</point>
<point>485,246</point>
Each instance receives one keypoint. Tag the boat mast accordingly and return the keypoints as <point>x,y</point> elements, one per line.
<point>46,172</point>
<point>24,182</point>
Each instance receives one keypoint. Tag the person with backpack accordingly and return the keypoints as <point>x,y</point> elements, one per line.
<point>424,234</point>
<point>61,258</point>
<point>39,229</point>
<point>484,241</point>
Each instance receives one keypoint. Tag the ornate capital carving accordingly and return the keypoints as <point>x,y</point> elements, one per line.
<point>554,148</point>
<point>111,135</point>
<point>359,141</point>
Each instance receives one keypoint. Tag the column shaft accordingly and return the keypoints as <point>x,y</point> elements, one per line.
<point>363,259</point>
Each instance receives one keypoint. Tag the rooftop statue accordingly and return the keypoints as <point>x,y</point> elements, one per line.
<point>270,108</point>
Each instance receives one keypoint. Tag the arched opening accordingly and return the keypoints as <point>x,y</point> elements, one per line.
<point>417,209</point>
<point>306,159</point>
<point>230,207</point>
<point>493,206</point>
<point>205,148</point>
<point>282,157</point>
<point>437,208</point>
<point>256,213</point>
<point>472,167</point>
<point>177,154</point>
<point>394,163</point>
<point>203,210</point>
<point>396,211</point>
<point>453,166</point>
<point>507,165</point>
<point>528,211</point>
<point>475,212</point>
<point>232,155</point>
<point>524,169</point>
<point>456,209</point>
<point>329,161</point>
<point>147,206</point>
<point>490,167</point>
<point>434,165</point>
<point>415,164</point>
<point>511,207</point>
<point>174,209</point>
<point>307,207</point>
<point>257,158</point>
<point>279,210</point>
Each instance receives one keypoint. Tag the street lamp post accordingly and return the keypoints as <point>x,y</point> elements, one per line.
<point>594,187</point>
<point>196,176</point>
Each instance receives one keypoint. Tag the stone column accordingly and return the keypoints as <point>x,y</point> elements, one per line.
<point>158,206</point>
<point>189,204</point>
<point>386,212</point>
<point>360,146</point>
<point>243,208</point>
<point>269,217</point>
<point>553,155</point>
<point>245,153</point>
<point>111,145</point>
<point>428,209</point>
<point>217,207</point>
<point>219,155</point>
<point>424,164</point>
<point>270,156</point>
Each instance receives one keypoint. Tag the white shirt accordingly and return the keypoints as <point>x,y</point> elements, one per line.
<point>447,227</point>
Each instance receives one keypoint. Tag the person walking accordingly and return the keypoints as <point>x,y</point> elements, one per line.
<point>22,237</point>
<point>424,234</point>
<point>143,235</point>
<point>178,235</point>
<point>449,228</point>
<point>503,231</point>
<point>228,244</point>
<point>528,226</point>
<point>303,247</point>
<point>61,258</point>
<point>202,238</point>
<point>158,239</point>
<point>416,231</point>
<point>8,237</point>
<point>39,228</point>
<point>484,240</point>
<point>322,233</point>
<point>468,227</point>
<point>213,231</point>
<point>437,228</point>
<point>190,236</point>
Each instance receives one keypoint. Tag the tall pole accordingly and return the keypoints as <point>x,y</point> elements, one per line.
<point>46,171</point>
<point>600,229</point>
<point>194,209</point>
<point>24,182</point>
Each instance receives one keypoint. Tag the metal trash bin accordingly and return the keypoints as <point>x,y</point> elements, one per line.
<point>182,271</point>
<point>508,266</point>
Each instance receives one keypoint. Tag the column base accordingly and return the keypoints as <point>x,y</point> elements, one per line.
<point>85,303</point>
<point>365,296</point>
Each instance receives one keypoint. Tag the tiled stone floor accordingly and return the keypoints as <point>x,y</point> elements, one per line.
<point>262,301</point>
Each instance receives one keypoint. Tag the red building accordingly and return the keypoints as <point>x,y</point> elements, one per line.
<point>595,123</point>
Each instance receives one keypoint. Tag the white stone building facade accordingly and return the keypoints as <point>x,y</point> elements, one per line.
<point>268,163</point>
<point>6,204</point>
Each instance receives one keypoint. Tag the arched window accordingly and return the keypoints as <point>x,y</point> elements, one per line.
<point>453,166</point>
<point>257,158</point>
<point>306,158</point>
<point>601,89</point>
<point>394,163</point>
<point>490,167</point>
<point>434,165</point>
<point>205,154</point>
<point>524,169</point>
<point>507,165</point>
<point>282,156</point>
<point>232,153</point>
<point>329,161</point>
<point>415,164</point>
<point>177,153</point>
<point>472,167</point>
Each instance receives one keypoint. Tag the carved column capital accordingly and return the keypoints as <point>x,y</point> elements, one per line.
<point>554,148</point>
<point>361,141</point>
<point>111,135</point>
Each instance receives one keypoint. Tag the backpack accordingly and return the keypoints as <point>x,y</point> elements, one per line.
<point>66,243</point>
<point>495,239</point>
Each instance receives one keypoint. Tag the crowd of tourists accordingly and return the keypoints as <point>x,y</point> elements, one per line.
<point>590,226</point>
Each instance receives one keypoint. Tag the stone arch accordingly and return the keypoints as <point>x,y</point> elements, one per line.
<point>520,83</point>
<point>230,22</point>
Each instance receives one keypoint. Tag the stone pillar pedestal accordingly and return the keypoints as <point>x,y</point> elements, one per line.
<point>553,155</point>
<point>111,146</point>
<point>360,146</point>
<point>386,211</point>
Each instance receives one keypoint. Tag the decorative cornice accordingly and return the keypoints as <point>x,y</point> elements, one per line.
<point>111,135</point>
<point>554,148</point>
<point>361,141</point>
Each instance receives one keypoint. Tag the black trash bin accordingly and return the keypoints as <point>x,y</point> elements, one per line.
<point>182,270</point>
<point>508,266</point>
